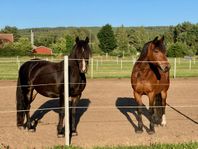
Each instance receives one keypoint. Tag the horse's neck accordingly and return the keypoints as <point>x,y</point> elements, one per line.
<point>72,60</point>
<point>143,65</point>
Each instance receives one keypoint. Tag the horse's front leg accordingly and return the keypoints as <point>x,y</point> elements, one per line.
<point>139,111</point>
<point>75,101</point>
<point>164,96</point>
<point>151,110</point>
<point>60,129</point>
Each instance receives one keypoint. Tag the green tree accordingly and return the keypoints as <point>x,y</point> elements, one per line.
<point>137,38</point>
<point>107,41</point>
<point>69,43</point>
<point>12,30</point>
<point>179,49</point>
<point>44,40</point>
<point>60,46</point>
<point>20,48</point>
<point>122,40</point>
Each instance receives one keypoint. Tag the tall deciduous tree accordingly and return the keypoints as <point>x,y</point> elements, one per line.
<point>69,43</point>
<point>122,40</point>
<point>107,39</point>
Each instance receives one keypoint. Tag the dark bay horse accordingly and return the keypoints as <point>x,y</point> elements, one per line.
<point>47,79</point>
<point>150,76</point>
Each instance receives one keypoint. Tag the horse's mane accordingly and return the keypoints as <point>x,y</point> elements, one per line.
<point>144,51</point>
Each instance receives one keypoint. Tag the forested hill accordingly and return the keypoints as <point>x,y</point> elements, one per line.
<point>61,31</point>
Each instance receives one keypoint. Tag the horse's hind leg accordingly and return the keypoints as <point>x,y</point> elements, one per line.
<point>139,111</point>
<point>29,99</point>
<point>60,129</point>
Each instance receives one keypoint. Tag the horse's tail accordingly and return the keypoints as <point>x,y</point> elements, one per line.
<point>20,102</point>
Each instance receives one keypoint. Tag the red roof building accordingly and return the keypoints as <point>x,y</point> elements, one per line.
<point>42,50</point>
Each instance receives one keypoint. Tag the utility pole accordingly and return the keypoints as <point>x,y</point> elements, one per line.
<point>32,38</point>
<point>90,38</point>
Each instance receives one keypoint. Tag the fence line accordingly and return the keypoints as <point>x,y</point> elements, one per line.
<point>98,107</point>
<point>98,64</point>
<point>50,84</point>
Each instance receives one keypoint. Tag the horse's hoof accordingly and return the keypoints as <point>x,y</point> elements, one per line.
<point>75,133</point>
<point>32,130</point>
<point>151,132</point>
<point>60,135</point>
<point>139,131</point>
<point>21,127</point>
<point>163,125</point>
<point>156,125</point>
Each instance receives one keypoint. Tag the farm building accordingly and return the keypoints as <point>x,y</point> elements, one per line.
<point>6,38</point>
<point>42,50</point>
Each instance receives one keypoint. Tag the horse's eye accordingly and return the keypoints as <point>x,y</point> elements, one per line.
<point>156,50</point>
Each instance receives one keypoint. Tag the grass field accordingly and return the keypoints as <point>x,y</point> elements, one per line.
<point>103,67</point>
<point>191,145</point>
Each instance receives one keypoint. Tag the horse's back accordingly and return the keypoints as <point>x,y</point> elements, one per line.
<point>43,76</point>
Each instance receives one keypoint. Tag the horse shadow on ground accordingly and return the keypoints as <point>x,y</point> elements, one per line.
<point>53,105</point>
<point>128,106</point>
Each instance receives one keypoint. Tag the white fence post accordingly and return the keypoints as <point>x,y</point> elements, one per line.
<point>194,60</point>
<point>92,68</point>
<point>18,63</point>
<point>190,64</point>
<point>179,61</point>
<point>97,65</point>
<point>121,64</point>
<point>66,97</point>
<point>175,65</point>
<point>106,55</point>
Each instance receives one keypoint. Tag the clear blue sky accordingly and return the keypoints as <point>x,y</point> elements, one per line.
<point>54,13</point>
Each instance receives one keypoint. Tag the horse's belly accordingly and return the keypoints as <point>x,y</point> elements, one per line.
<point>52,93</point>
<point>146,87</point>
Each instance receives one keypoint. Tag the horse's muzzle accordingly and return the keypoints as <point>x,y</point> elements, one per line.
<point>83,70</point>
<point>165,67</point>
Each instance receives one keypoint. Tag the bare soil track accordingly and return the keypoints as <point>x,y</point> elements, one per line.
<point>102,124</point>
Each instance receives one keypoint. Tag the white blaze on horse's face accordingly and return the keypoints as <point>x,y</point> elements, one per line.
<point>83,63</point>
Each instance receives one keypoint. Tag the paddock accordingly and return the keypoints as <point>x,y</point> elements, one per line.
<point>104,122</point>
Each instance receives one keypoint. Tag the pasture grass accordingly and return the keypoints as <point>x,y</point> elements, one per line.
<point>190,145</point>
<point>102,67</point>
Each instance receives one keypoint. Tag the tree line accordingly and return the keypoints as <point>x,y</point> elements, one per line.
<point>181,40</point>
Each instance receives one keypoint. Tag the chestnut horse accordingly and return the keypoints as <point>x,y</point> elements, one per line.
<point>47,79</point>
<point>150,76</point>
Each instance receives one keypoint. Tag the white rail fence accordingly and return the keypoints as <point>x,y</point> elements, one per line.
<point>107,68</point>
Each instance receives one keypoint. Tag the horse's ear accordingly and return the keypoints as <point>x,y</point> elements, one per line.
<point>77,39</point>
<point>87,40</point>
<point>155,40</point>
<point>162,39</point>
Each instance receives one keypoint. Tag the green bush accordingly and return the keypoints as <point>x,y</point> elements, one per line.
<point>179,49</point>
<point>20,48</point>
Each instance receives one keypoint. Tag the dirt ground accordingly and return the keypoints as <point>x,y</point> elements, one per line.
<point>102,124</point>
